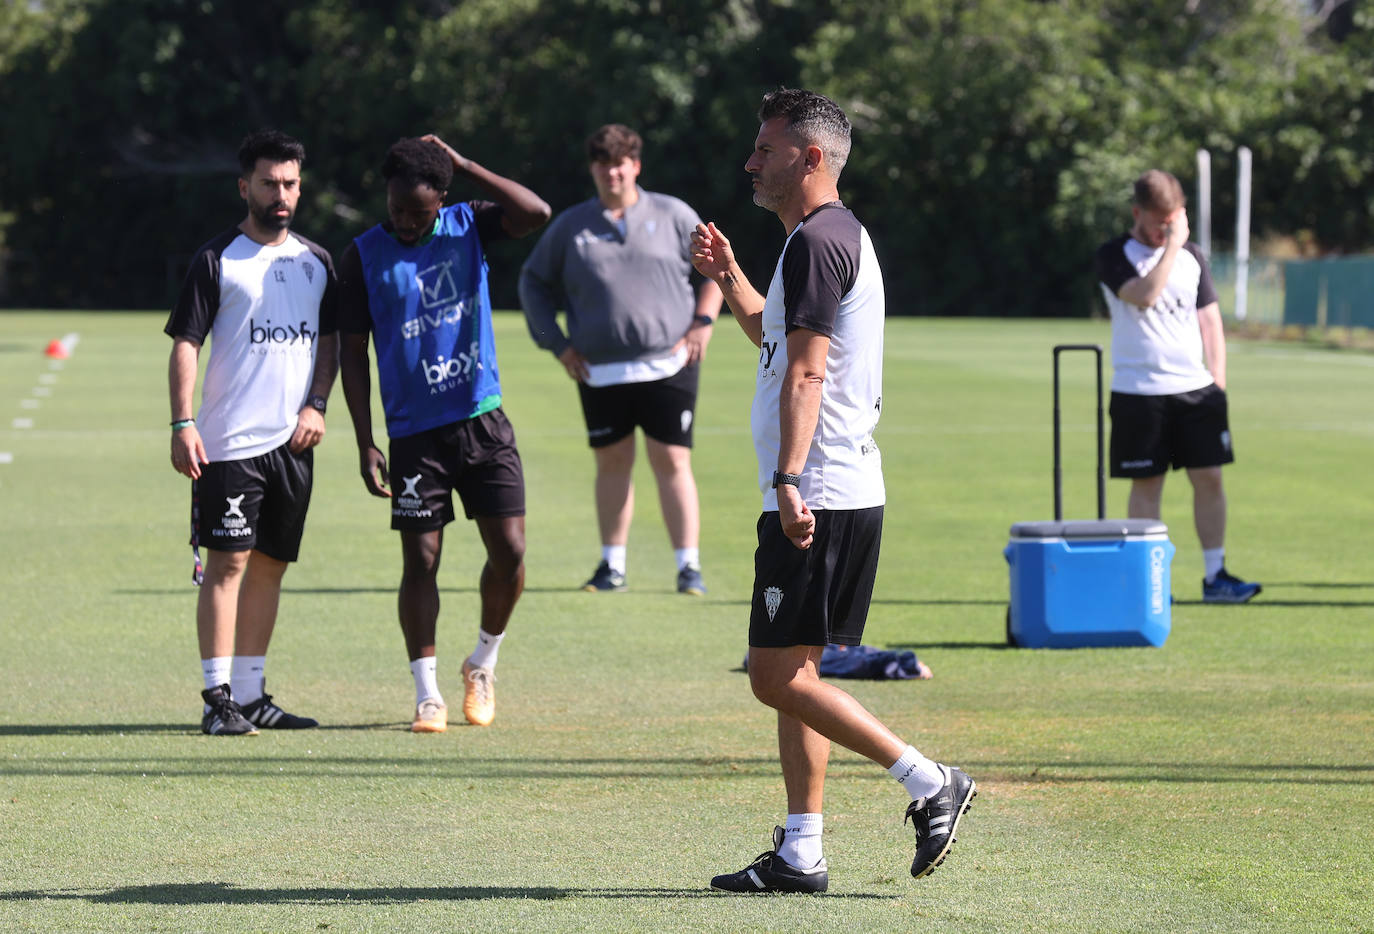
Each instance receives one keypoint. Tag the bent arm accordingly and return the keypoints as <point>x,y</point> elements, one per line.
<point>1144,291</point>
<point>714,259</point>
<point>523,212</point>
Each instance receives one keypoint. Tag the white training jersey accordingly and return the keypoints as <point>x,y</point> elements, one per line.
<point>827,280</point>
<point>263,308</point>
<point>1156,351</point>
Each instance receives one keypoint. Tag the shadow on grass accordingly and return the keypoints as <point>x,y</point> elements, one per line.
<point>892,602</point>
<point>990,773</point>
<point>420,762</point>
<point>390,590</point>
<point>1262,601</point>
<point>1318,585</point>
<point>167,729</point>
<point>223,893</point>
<point>919,647</point>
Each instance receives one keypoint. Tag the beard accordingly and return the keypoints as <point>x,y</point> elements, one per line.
<point>266,216</point>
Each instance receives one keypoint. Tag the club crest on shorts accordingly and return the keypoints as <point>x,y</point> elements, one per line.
<point>410,485</point>
<point>772,599</point>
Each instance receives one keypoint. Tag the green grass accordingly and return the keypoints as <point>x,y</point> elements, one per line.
<point>1224,782</point>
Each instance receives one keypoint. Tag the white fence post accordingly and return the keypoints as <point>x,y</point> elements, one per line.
<point>1242,231</point>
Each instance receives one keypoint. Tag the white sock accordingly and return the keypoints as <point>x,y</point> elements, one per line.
<point>216,671</point>
<point>918,775</point>
<point>484,656</point>
<point>247,678</point>
<point>1213,559</point>
<point>614,555</point>
<point>801,842</point>
<point>426,679</point>
<point>687,557</point>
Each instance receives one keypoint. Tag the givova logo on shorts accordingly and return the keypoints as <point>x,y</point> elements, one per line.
<point>408,503</point>
<point>233,524</point>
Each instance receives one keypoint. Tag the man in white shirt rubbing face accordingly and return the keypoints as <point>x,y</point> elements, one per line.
<point>1168,404</point>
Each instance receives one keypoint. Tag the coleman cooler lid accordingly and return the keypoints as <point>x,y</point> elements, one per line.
<point>1090,528</point>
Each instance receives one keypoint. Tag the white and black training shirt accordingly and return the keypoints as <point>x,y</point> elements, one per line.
<point>828,281</point>
<point>1156,351</point>
<point>264,308</point>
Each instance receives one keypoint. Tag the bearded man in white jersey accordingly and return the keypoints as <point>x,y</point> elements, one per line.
<point>818,393</point>
<point>1168,406</point>
<point>264,296</point>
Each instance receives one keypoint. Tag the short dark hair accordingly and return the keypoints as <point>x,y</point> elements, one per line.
<point>273,145</point>
<point>614,142</point>
<point>1157,190</point>
<point>416,162</point>
<point>813,117</point>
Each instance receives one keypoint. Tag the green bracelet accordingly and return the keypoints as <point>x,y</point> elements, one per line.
<point>182,423</point>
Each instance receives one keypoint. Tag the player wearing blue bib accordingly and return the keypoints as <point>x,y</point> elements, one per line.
<point>418,285</point>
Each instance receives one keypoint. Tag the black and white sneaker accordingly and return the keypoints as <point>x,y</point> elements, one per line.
<point>771,873</point>
<point>268,715</point>
<point>937,818</point>
<point>605,579</point>
<point>224,718</point>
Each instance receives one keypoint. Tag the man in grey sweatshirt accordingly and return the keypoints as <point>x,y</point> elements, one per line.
<point>637,329</point>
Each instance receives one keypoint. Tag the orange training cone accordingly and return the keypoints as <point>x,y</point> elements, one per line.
<point>58,350</point>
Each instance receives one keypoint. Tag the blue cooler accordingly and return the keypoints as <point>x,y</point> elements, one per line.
<point>1093,582</point>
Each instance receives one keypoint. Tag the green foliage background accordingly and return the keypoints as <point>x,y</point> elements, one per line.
<point>995,140</point>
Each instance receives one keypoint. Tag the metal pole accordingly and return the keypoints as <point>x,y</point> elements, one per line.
<point>1242,231</point>
<point>1204,202</point>
<point>1058,466</point>
<point>1058,458</point>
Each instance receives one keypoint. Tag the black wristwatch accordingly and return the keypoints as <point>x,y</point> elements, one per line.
<point>707,320</point>
<point>316,402</point>
<point>786,479</point>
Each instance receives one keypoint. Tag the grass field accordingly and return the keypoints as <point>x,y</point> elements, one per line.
<point>1224,782</point>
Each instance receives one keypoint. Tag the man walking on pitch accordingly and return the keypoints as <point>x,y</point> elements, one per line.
<point>637,337</point>
<point>418,285</point>
<point>265,296</point>
<point>816,403</point>
<point>1168,406</point>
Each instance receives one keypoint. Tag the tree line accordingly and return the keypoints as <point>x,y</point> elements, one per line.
<point>994,143</point>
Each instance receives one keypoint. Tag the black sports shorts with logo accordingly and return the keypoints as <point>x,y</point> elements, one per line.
<point>664,408</point>
<point>259,502</point>
<point>476,456</point>
<point>1151,434</point>
<point>819,595</point>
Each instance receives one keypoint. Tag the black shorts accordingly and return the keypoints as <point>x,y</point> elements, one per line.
<point>819,595</point>
<point>1150,434</point>
<point>477,457</point>
<point>259,502</point>
<point>664,408</point>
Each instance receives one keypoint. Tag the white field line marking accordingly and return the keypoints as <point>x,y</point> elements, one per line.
<point>6,457</point>
<point>23,423</point>
<point>42,391</point>
<point>28,403</point>
<point>46,379</point>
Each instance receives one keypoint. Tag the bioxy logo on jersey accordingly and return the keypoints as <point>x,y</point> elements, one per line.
<point>266,333</point>
<point>445,374</point>
<point>767,350</point>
